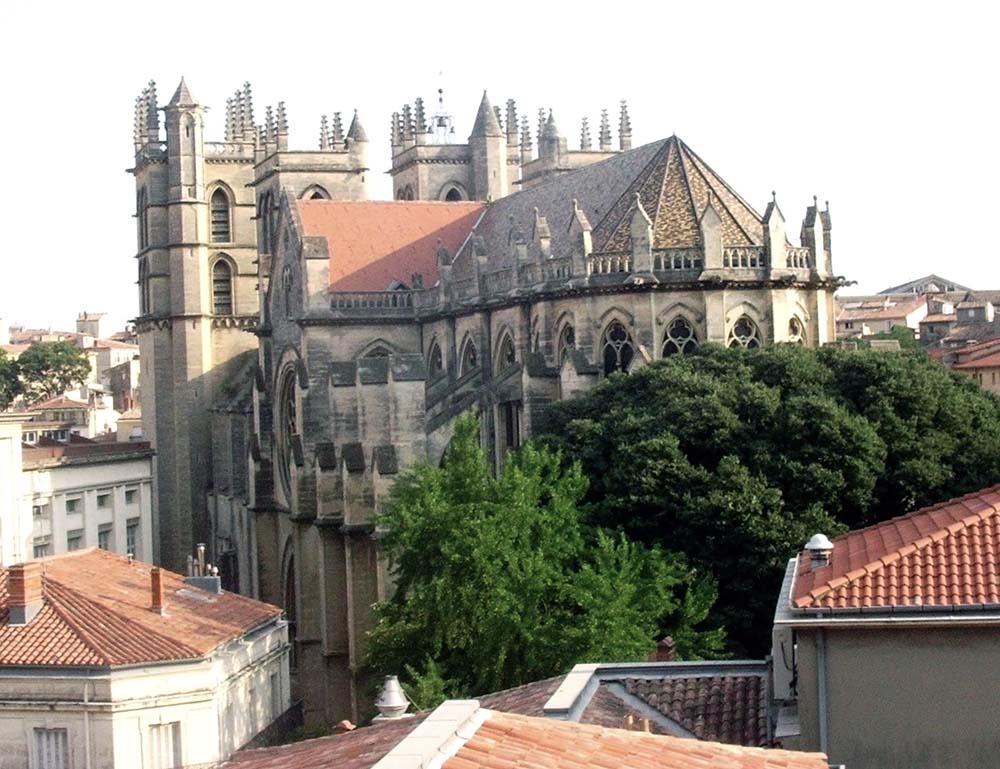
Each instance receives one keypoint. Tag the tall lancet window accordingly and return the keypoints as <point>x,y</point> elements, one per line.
<point>221,225</point>
<point>222,288</point>
<point>617,349</point>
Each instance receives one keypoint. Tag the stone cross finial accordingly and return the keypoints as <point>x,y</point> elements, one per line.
<point>585,135</point>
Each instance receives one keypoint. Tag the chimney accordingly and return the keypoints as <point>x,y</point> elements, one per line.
<point>156,588</point>
<point>664,650</point>
<point>820,549</point>
<point>392,703</point>
<point>24,590</point>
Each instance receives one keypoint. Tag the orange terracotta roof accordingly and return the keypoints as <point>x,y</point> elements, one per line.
<point>939,318</point>
<point>59,402</point>
<point>96,612</point>
<point>946,555</point>
<point>986,361</point>
<point>508,741</point>
<point>374,243</point>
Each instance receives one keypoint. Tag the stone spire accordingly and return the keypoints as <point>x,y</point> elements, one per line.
<point>420,120</point>
<point>324,137</point>
<point>552,145</point>
<point>270,136</point>
<point>246,124</point>
<point>541,125</point>
<point>230,132</point>
<point>147,120</point>
<point>282,127</point>
<point>395,132</point>
<point>407,124</point>
<point>604,137</point>
<point>486,121</point>
<point>511,122</point>
<point>585,135</point>
<point>525,141</point>
<point>356,133</point>
<point>182,97</point>
<point>624,129</point>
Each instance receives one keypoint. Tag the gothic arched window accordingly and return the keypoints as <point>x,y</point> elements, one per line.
<point>617,349</point>
<point>145,294</point>
<point>470,358</point>
<point>796,333</point>
<point>567,341</point>
<point>221,227</point>
<point>287,430</point>
<point>378,351</point>
<point>222,288</point>
<point>435,361</point>
<point>744,333</point>
<point>680,337</point>
<point>506,354</point>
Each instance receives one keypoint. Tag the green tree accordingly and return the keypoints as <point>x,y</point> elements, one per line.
<point>734,458</point>
<point>500,582</point>
<point>48,369</point>
<point>9,384</point>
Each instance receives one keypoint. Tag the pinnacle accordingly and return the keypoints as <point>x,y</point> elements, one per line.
<point>486,120</point>
<point>182,96</point>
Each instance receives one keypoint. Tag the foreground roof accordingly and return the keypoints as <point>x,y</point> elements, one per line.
<point>943,557</point>
<point>724,701</point>
<point>467,736</point>
<point>96,612</point>
<point>373,244</point>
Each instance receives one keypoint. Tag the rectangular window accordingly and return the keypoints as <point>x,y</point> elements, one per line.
<point>74,540</point>
<point>51,749</point>
<point>104,500</point>
<point>165,746</point>
<point>132,536</point>
<point>40,511</point>
<point>131,496</point>
<point>104,537</point>
<point>73,505</point>
<point>41,548</point>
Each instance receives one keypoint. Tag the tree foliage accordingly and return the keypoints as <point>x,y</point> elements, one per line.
<point>9,384</point>
<point>500,582</point>
<point>48,369</point>
<point>735,457</point>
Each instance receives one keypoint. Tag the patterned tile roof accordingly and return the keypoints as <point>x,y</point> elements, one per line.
<point>96,612</point>
<point>946,555</point>
<point>374,243</point>
<point>508,741</point>
<point>730,709</point>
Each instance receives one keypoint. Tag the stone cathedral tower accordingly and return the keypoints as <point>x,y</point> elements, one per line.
<point>200,208</point>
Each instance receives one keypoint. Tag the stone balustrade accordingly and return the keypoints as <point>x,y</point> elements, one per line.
<point>677,259</point>
<point>606,264</point>
<point>743,257</point>
<point>367,302</point>
<point>798,258</point>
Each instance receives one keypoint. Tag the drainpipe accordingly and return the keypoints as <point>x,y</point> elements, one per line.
<point>821,689</point>
<point>86,725</point>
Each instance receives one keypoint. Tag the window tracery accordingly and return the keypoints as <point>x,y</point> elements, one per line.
<point>617,348</point>
<point>567,342</point>
<point>744,333</point>
<point>680,337</point>
<point>507,355</point>
<point>221,228</point>
<point>796,332</point>
<point>470,358</point>
<point>435,360</point>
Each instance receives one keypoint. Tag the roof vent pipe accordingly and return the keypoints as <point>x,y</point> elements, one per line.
<point>392,703</point>
<point>820,549</point>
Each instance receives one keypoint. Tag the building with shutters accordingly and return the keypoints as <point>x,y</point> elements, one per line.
<point>302,344</point>
<point>107,662</point>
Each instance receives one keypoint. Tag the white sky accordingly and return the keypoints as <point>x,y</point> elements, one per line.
<point>886,109</point>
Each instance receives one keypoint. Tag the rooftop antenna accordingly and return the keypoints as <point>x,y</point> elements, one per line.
<point>441,120</point>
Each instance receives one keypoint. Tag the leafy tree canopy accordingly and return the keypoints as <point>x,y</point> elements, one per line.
<point>500,582</point>
<point>48,369</point>
<point>736,457</point>
<point>9,384</point>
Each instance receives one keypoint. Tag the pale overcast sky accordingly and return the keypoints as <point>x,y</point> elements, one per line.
<point>888,110</point>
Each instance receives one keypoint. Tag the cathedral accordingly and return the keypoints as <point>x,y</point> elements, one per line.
<point>303,344</point>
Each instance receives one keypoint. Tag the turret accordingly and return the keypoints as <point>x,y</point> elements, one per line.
<point>552,144</point>
<point>488,150</point>
<point>185,149</point>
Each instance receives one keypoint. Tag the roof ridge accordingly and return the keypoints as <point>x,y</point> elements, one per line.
<point>718,176</point>
<point>690,192</point>
<point>88,638</point>
<point>628,193</point>
<point>717,196</point>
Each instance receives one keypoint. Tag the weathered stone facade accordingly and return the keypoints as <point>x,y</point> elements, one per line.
<point>379,322</point>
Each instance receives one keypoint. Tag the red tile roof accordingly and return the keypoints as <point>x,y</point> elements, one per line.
<point>508,741</point>
<point>730,709</point>
<point>96,612</point>
<point>360,749</point>
<point>946,555</point>
<point>374,243</point>
<point>512,741</point>
<point>986,361</point>
<point>59,402</point>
